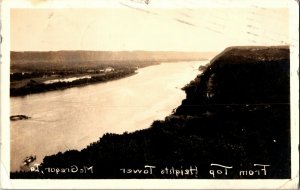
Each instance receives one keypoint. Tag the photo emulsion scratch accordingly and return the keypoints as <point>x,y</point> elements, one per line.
<point>139,91</point>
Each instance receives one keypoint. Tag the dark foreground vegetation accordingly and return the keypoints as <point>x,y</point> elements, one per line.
<point>236,114</point>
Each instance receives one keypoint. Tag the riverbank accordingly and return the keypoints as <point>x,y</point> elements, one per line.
<point>30,71</point>
<point>32,84</point>
<point>236,116</point>
<point>74,117</point>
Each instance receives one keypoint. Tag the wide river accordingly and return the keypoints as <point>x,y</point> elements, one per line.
<point>73,118</point>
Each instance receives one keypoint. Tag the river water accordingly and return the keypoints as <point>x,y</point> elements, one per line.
<point>73,118</point>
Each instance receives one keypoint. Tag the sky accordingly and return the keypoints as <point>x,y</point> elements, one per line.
<point>131,27</point>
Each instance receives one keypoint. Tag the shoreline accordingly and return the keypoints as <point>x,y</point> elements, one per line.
<point>33,87</point>
<point>124,99</point>
<point>43,88</point>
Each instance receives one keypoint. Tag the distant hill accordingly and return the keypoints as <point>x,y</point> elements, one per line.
<point>94,58</point>
<point>236,114</point>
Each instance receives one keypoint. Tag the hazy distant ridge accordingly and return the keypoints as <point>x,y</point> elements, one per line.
<point>103,56</point>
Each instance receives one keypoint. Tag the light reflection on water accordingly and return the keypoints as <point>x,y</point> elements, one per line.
<point>71,79</point>
<point>75,117</point>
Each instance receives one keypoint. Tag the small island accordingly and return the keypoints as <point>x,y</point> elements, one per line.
<point>19,117</point>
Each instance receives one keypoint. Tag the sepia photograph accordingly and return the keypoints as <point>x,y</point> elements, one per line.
<point>150,94</point>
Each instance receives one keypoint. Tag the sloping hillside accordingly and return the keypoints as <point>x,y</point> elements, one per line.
<point>236,114</point>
